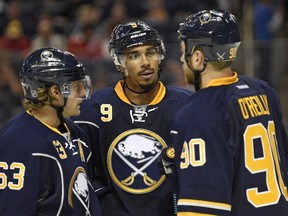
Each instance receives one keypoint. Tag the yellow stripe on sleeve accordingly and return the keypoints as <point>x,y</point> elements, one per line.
<point>193,214</point>
<point>205,204</point>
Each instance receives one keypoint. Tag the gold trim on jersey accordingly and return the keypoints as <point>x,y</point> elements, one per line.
<point>193,214</point>
<point>121,94</point>
<point>205,204</point>
<point>52,128</point>
<point>224,81</point>
<point>72,184</point>
<point>81,152</point>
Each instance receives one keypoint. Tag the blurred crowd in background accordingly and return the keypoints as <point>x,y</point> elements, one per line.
<point>84,28</point>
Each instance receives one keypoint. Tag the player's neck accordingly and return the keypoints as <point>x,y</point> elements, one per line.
<point>210,74</point>
<point>47,115</point>
<point>141,99</point>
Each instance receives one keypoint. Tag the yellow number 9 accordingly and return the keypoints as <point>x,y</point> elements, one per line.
<point>106,111</point>
<point>268,164</point>
<point>233,52</point>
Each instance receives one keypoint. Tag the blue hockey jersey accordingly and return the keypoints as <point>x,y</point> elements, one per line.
<point>128,140</point>
<point>231,149</point>
<point>44,172</point>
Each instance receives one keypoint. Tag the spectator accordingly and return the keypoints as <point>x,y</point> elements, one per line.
<point>268,18</point>
<point>86,45</point>
<point>10,90</point>
<point>47,37</point>
<point>14,39</point>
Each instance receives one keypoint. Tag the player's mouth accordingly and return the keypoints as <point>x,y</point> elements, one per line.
<point>147,74</point>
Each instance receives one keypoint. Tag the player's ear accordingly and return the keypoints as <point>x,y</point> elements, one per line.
<point>54,91</point>
<point>198,59</point>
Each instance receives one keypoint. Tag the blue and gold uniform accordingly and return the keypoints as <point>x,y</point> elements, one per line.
<point>44,172</point>
<point>237,166</point>
<point>127,141</point>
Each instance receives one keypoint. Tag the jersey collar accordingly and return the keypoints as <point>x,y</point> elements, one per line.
<point>158,98</point>
<point>224,81</point>
<point>50,127</point>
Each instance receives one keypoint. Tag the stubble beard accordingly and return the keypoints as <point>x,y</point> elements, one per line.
<point>148,86</point>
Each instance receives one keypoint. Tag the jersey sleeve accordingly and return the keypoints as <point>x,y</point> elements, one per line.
<point>27,183</point>
<point>88,122</point>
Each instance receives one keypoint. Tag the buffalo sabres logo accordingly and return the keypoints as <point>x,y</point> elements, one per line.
<point>132,161</point>
<point>205,18</point>
<point>46,55</point>
<point>78,189</point>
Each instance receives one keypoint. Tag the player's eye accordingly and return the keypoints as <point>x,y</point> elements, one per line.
<point>133,56</point>
<point>76,86</point>
<point>151,53</point>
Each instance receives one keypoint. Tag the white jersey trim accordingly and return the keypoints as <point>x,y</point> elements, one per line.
<point>61,175</point>
<point>87,122</point>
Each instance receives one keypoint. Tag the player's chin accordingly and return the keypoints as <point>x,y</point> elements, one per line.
<point>76,111</point>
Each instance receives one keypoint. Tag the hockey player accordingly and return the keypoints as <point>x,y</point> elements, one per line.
<point>43,157</point>
<point>130,123</point>
<point>230,143</point>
